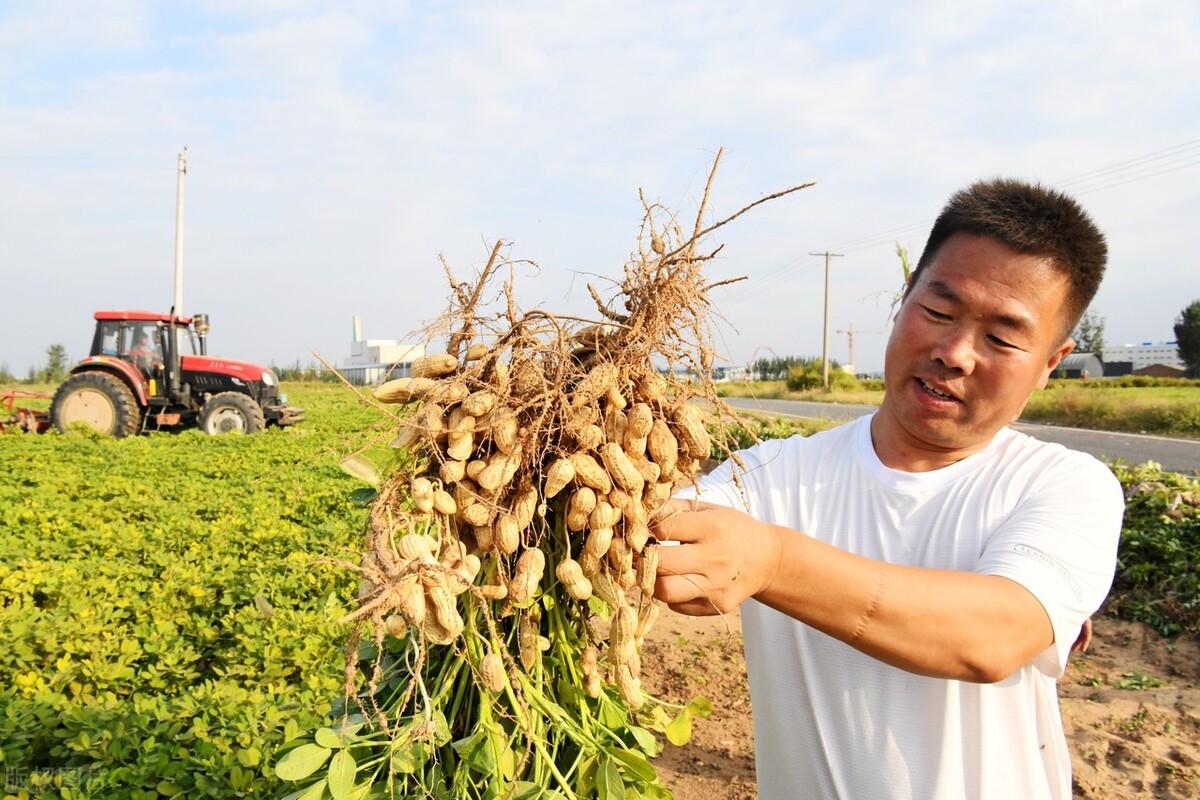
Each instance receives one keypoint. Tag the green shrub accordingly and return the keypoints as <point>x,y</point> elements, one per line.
<point>808,375</point>
<point>1158,564</point>
<point>756,430</point>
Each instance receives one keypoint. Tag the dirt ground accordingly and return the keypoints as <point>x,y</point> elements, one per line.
<point>1131,709</point>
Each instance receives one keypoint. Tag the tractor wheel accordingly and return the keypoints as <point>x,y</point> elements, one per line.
<point>98,400</point>
<point>231,412</point>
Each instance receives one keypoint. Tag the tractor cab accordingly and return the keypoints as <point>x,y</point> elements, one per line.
<point>139,343</point>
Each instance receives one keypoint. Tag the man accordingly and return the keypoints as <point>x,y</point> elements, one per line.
<point>144,353</point>
<point>918,576</point>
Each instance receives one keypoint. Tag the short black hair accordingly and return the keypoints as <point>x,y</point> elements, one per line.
<point>1031,219</point>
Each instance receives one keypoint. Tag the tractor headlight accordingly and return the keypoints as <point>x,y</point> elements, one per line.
<point>269,379</point>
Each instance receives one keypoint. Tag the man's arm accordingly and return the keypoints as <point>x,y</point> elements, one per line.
<point>941,623</point>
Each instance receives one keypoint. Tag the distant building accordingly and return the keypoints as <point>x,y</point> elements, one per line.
<point>731,374</point>
<point>1145,354</point>
<point>1080,365</point>
<point>374,360</point>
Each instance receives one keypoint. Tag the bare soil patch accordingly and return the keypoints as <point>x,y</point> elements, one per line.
<point>1131,710</point>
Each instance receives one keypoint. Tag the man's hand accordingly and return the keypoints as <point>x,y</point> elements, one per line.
<point>1084,640</point>
<point>724,557</point>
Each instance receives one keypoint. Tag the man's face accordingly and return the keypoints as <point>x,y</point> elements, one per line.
<point>980,330</point>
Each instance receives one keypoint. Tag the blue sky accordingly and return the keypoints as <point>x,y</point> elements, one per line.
<point>335,149</point>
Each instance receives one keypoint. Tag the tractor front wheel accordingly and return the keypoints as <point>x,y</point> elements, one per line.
<point>98,400</point>
<point>231,412</point>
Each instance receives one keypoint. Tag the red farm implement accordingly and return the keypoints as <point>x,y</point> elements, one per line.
<point>15,417</point>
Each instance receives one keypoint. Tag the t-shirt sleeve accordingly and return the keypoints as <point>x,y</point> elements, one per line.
<point>1061,544</point>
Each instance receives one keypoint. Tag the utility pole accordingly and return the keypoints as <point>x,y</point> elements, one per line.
<point>181,171</point>
<point>825,338</point>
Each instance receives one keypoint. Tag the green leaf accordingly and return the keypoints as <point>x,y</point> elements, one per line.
<point>409,757</point>
<point>506,758</point>
<point>701,707</point>
<point>342,770</point>
<point>599,607</point>
<point>656,791</point>
<point>363,496</point>
<point>477,752</point>
<point>291,729</point>
<point>313,792</point>
<point>609,785</point>
<point>249,757</point>
<point>679,732</point>
<point>568,695</point>
<point>585,782</point>
<point>358,467</point>
<point>611,715</point>
<point>636,763</point>
<point>326,737</point>
<point>441,729</point>
<point>659,718</point>
<point>524,790</point>
<point>646,740</point>
<point>298,764</point>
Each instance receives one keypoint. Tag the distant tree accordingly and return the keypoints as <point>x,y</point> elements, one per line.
<point>808,374</point>
<point>32,375</point>
<point>56,364</point>
<point>1187,338</point>
<point>774,369</point>
<point>6,375</point>
<point>1089,334</point>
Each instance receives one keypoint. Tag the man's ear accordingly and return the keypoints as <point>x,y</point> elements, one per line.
<point>1056,357</point>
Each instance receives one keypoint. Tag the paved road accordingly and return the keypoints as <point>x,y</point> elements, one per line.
<point>1179,455</point>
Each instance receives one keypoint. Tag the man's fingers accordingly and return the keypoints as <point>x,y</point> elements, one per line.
<point>696,608</point>
<point>677,504</point>
<point>1084,640</point>
<point>680,560</point>
<point>676,589</point>
<point>673,523</point>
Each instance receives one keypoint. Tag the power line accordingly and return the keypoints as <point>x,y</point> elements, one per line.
<point>1179,156</point>
<point>1166,152</point>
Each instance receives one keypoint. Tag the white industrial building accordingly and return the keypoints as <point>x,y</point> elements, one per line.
<point>375,360</point>
<point>1144,354</point>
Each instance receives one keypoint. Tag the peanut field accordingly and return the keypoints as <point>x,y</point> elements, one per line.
<point>168,603</point>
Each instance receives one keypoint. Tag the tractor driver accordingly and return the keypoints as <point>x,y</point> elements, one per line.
<point>144,352</point>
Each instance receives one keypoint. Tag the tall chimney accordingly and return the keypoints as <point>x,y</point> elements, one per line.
<point>357,329</point>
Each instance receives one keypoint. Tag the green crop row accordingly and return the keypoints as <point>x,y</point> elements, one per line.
<point>167,604</point>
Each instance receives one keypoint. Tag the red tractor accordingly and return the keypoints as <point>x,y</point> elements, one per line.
<point>150,371</point>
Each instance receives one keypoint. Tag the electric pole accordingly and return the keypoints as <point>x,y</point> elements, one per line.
<point>825,338</point>
<point>180,173</point>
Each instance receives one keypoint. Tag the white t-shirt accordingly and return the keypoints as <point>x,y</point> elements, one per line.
<point>831,722</point>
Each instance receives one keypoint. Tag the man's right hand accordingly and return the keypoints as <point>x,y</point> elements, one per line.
<point>723,557</point>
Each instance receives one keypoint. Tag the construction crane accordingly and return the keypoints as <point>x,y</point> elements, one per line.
<point>851,332</point>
